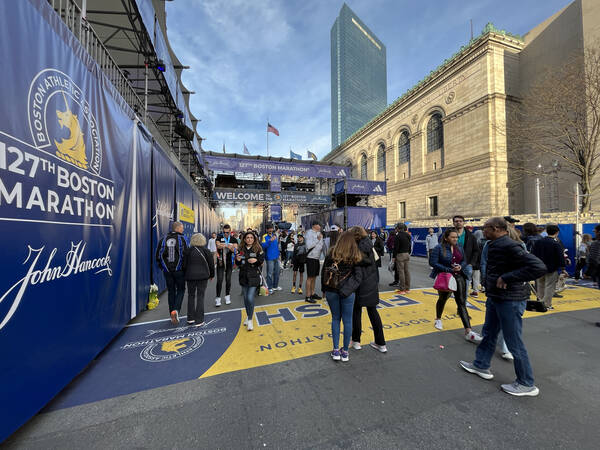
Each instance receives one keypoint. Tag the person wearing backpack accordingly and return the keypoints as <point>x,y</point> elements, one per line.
<point>169,256</point>
<point>250,259</point>
<point>199,268</point>
<point>367,294</point>
<point>449,257</point>
<point>340,277</point>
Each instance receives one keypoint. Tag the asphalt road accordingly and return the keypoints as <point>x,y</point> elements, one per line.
<point>415,396</point>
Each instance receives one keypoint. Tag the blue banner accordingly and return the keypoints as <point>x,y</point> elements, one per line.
<point>143,244</point>
<point>275,183</point>
<point>300,169</point>
<point>364,187</point>
<point>185,204</point>
<point>163,205</point>
<point>66,174</point>
<point>368,218</point>
<point>276,213</point>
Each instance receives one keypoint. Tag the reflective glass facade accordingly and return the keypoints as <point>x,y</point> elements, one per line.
<point>358,76</point>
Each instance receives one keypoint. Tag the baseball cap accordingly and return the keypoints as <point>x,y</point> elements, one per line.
<point>334,228</point>
<point>511,219</point>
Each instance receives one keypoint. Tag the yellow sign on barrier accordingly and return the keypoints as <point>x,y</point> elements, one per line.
<point>296,329</point>
<point>185,214</point>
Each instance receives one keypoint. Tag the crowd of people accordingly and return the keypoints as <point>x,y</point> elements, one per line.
<point>497,259</point>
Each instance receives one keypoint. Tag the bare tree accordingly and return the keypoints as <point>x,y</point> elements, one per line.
<point>559,118</point>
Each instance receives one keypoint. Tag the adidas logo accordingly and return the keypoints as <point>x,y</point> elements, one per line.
<point>378,189</point>
<point>341,173</point>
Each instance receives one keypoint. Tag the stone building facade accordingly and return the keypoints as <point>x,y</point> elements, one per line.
<point>440,147</point>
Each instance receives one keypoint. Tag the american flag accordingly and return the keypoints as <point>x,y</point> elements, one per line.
<point>272,129</point>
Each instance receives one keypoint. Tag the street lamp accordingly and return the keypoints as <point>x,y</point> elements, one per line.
<point>538,206</point>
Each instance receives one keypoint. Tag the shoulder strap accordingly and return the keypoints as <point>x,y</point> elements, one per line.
<point>204,258</point>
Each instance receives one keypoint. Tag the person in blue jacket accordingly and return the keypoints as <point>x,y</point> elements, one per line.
<point>170,254</point>
<point>270,245</point>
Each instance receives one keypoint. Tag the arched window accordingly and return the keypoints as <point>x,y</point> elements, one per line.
<point>363,167</point>
<point>381,158</point>
<point>435,133</point>
<point>404,148</point>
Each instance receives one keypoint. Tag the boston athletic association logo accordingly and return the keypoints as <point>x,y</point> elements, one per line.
<point>61,121</point>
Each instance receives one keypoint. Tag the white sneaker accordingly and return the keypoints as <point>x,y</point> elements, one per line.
<point>381,348</point>
<point>250,324</point>
<point>438,324</point>
<point>355,345</point>
<point>227,299</point>
<point>508,356</point>
<point>473,337</point>
<point>246,322</point>
<point>218,301</point>
<point>278,288</point>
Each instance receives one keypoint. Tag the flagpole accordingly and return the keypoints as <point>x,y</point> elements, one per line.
<point>267,136</point>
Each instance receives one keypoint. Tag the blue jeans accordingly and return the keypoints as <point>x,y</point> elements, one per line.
<point>508,317</point>
<point>272,273</point>
<point>249,292</point>
<point>341,308</point>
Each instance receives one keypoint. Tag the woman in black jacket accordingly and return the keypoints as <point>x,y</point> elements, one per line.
<point>250,258</point>
<point>340,265</point>
<point>367,294</point>
<point>378,246</point>
<point>199,268</point>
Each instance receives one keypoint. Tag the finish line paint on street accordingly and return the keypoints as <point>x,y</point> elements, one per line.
<point>157,354</point>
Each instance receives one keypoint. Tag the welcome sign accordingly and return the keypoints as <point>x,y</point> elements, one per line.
<point>258,196</point>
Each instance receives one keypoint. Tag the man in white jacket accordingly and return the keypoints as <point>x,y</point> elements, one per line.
<point>432,239</point>
<point>314,246</point>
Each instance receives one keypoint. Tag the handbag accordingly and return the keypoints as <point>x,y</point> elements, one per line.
<point>375,255</point>
<point>445,282</point>
<point>332,277</point>
<point>392,266</point>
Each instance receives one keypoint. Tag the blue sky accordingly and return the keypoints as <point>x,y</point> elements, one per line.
<point>253,59</point>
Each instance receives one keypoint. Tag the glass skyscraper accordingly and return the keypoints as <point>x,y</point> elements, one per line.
<point>358,76</point>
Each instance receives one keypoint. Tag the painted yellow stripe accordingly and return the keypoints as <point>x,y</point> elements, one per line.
<point>412,315</point>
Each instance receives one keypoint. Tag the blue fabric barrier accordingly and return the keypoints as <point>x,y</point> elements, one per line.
<point>66,173</point>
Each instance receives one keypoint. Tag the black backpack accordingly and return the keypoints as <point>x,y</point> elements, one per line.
<point>333,277</point>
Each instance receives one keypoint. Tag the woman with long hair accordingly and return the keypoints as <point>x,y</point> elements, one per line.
<point>448,257</point>
<point>377,245</point>
<point>343,257</point>
<point>367,294</point>
<point>250,258</point>
<point>199,268</point>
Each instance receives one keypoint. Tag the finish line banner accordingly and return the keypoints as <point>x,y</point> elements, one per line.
<point>275,167</point>
<point>239,195</point>
<point>361,187</point>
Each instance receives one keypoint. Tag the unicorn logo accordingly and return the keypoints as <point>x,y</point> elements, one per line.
<point>71,149</point>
